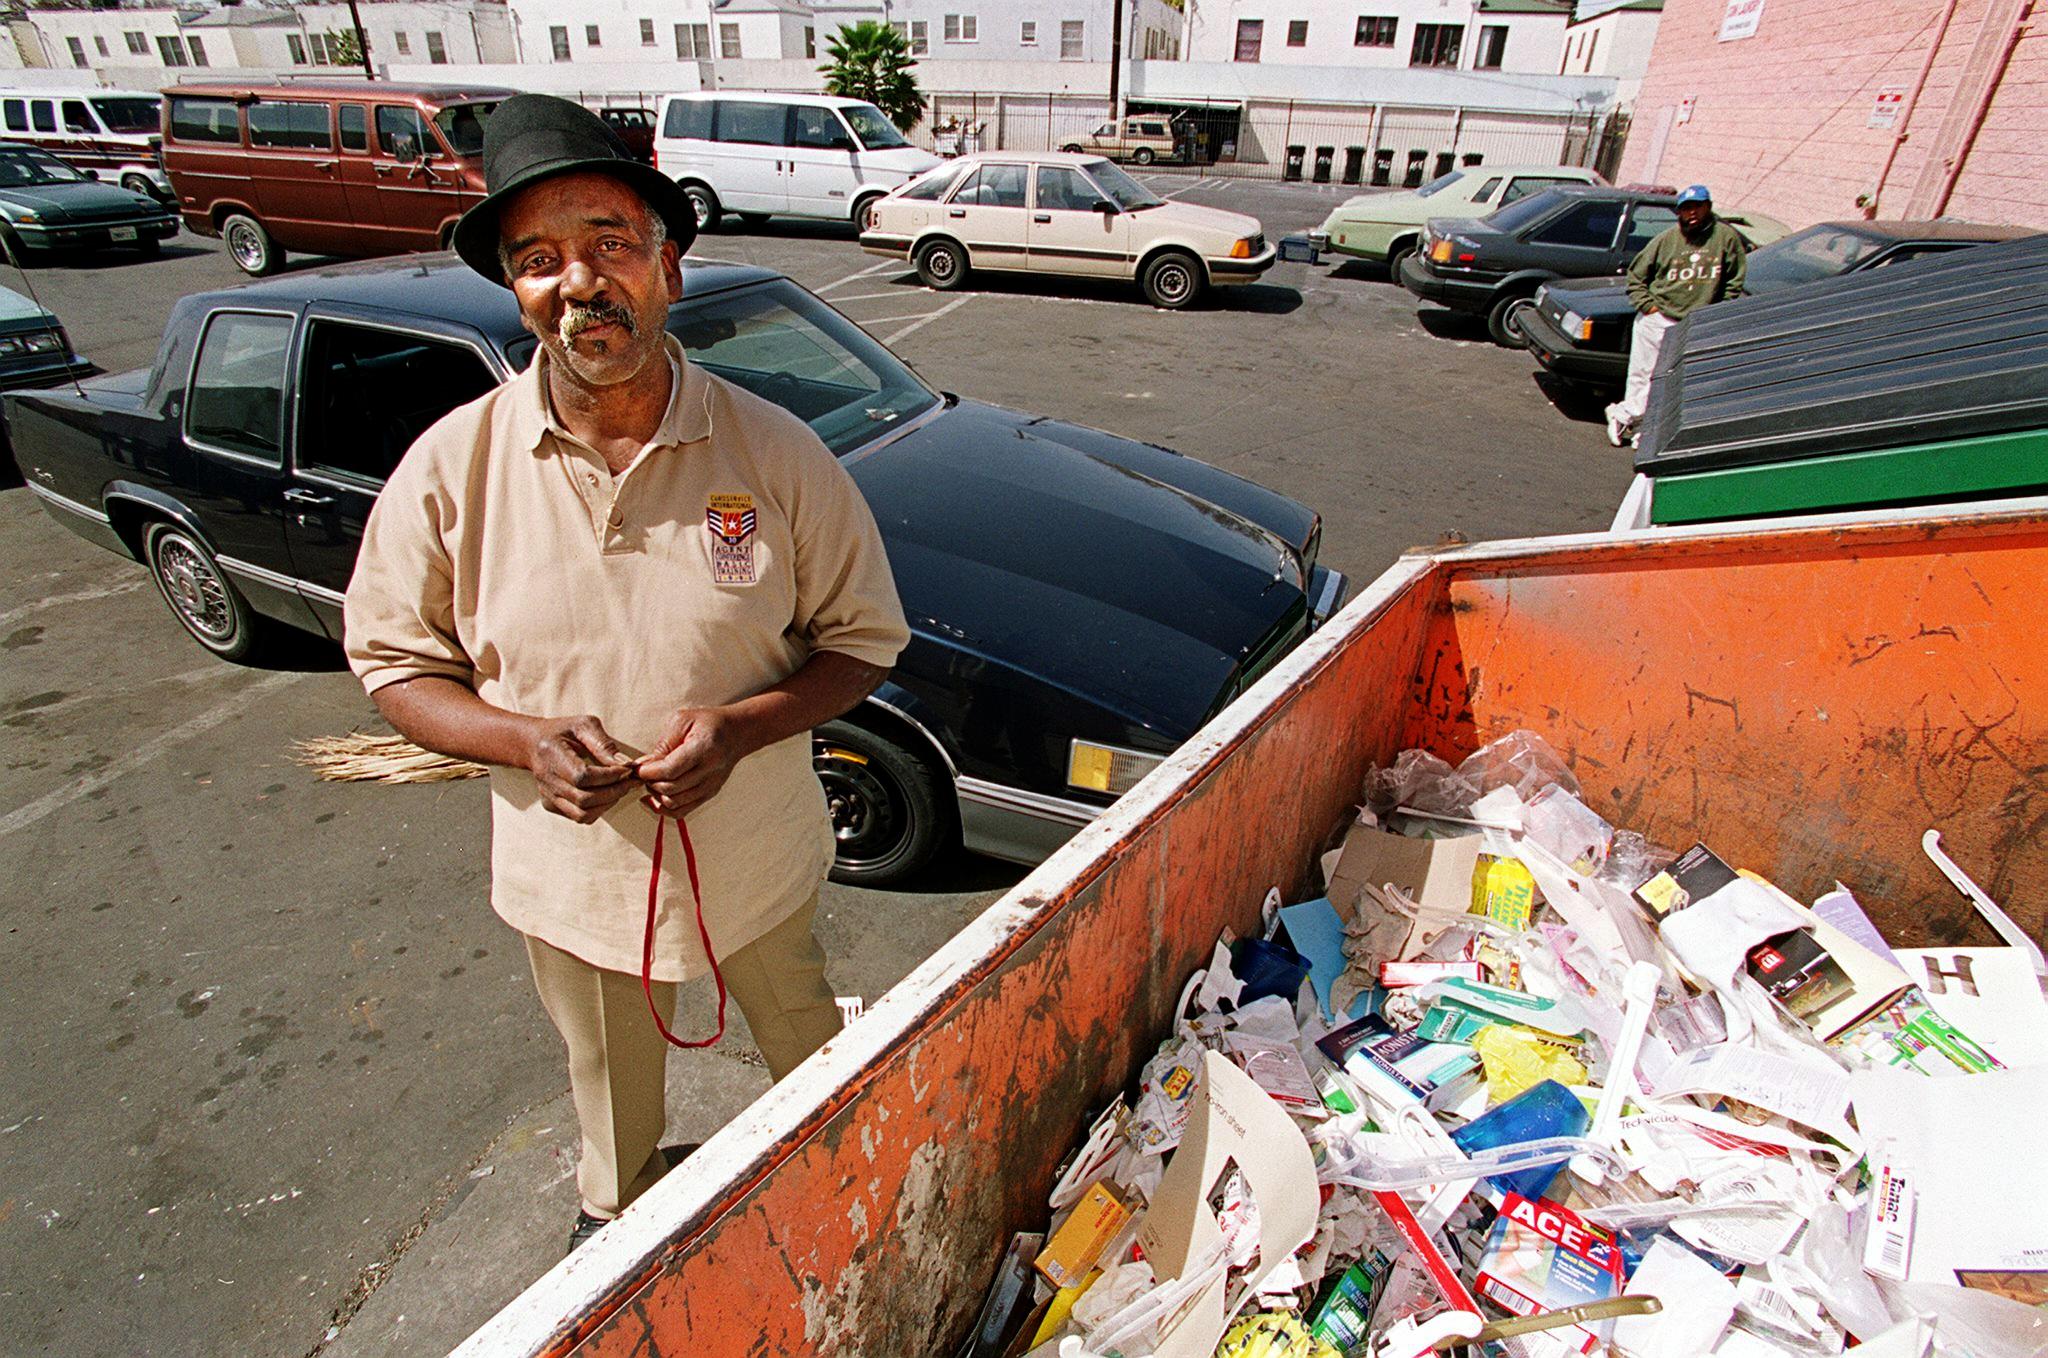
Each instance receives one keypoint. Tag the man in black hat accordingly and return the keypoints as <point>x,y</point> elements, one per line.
<point>631,589</point>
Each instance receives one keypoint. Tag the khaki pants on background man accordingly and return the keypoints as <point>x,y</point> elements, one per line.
<point>618,1061</point>
<point>1645,343</point>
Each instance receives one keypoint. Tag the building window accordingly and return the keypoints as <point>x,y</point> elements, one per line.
<point>810,41</point>
<point>558,39</point>
<point>693,42</point>
<point>437,51</point>
<point>1593,43</point>
<point>138,44</point>
<point>297,46</point>
<point>1436,45</point>
<point>198,51</point>
<point>1071,42</point>
<point>1493,45</point>
<point>77,51</point>
<point>647,32</point>
<point>403,41</point>
<point>591,37</point>
<point>1027,33</point>
<point>960,28</point>
<point>729,41</point>
<point>1250,33</point>
<point>1374,30</point>
<point>172,51</point>
<point>1297,32</point>
<point>99,43</point>
<point>920,38</point>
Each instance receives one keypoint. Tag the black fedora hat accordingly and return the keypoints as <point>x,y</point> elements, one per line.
<point>531,137</point>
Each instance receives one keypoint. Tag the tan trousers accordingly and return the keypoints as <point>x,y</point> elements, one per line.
<point>618,1062</point>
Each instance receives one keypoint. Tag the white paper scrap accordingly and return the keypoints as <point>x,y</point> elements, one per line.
<point>1976,1191</point>
<point>1698,1302</point>
<point>1809,1093</point>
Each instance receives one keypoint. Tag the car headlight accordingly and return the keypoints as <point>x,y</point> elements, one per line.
<point>1107,768</point>
<point>1575,325</point>
<point>22,214</point>
<point>43,342</point>
<point>1242,249</point>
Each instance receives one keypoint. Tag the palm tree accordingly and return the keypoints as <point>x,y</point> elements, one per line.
<point>872,61</point>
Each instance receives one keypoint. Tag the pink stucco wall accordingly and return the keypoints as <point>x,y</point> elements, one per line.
<point>1779,121</point>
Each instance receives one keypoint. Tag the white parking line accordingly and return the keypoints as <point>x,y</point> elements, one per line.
<point>52,802</point>
<point>842,282</point>
<point>900,294</point>
<point>923,321</point>
<point>56,600</point>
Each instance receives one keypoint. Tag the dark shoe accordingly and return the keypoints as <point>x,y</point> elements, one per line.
<point>586,1226</point>
<point>675,1155</point>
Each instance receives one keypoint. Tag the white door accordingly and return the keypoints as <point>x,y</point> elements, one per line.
<point>750,159</point>
<point>989,212</point>
<point>1068,235</point>
<point>823,164</point>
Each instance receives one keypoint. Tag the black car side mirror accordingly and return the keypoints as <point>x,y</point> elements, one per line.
<point>1105,207</point>
<point>91,174</point>
<point>843,144</point>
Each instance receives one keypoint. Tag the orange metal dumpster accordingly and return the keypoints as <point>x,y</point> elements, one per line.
<point>1809,700</point>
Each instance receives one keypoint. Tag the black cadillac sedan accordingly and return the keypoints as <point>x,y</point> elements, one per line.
<point>1079,603</point>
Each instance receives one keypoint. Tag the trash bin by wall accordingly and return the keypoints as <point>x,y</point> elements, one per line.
<point>1382,168</point>
<point>1418,161</point>
<point>1444,161</point>
<point>1325,157</point>
<point>1473,158</point>
<point>1354,164</point>
<point>1295,155</point>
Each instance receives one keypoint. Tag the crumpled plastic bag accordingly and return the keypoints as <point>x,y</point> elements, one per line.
<point>1517,1060</point>
<point>1521,760</point>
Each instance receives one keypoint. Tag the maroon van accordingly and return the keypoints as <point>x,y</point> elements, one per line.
<point>330,167</point>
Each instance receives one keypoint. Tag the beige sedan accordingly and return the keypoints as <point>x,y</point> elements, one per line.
<point>1059,213</point>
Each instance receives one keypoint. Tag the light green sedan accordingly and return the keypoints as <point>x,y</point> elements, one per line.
<point>1385,227</point>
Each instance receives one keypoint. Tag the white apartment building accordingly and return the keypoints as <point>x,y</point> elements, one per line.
<point>151,46</point>
<point>658,31</point>
<point>1509,36</point>
<point>1611,37</point>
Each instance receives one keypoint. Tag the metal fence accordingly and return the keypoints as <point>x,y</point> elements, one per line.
<point>1361,144</point>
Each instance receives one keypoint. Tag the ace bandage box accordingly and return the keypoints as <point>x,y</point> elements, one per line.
<point>1543,1257</point>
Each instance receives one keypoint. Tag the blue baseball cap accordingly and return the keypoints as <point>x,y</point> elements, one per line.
<point>1696,193</point>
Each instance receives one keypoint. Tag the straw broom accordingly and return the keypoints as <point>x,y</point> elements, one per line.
<point>359,757</point>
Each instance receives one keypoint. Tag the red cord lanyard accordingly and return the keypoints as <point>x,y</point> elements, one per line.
<point>647,945</point>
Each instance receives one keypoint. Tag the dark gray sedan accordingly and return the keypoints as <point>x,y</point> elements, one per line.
<point>47,205</point>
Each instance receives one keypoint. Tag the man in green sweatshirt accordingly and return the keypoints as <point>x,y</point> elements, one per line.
<point>1696,263</point>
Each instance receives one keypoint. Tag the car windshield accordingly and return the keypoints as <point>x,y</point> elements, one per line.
<point>128,115</point>
<point>1519,214</point>
<point>1817,252</point>
<point>462,126</point>
<point>1439,184</point>
<point>786,346</point>
<point>21,168</point>
<point>876,132</point>
<point>1126,192</point>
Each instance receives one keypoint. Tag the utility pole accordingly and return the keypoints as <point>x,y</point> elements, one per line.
<point>362,40</point>
<point>1116,57</point>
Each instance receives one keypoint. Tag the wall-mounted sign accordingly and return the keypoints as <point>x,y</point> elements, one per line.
<point>1885,111</point>
<point>1685,107</point>
<point>1740,19</point>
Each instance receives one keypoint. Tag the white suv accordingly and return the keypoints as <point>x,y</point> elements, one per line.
<point>773,155</point>
<point>1055,212</point>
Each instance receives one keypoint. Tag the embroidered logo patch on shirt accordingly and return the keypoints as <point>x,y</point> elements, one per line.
<point>731,521</point>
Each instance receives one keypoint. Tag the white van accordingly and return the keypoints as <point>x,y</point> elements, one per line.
<point>117,134</point>
<point>775,155</point>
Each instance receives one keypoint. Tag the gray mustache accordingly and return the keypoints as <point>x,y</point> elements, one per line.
<point>578,319</point>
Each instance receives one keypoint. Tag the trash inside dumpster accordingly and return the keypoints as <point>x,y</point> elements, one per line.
<point>1612,1015</point>
<point>1519,1077</point>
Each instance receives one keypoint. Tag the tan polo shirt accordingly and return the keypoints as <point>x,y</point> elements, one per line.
<point>505,555</point>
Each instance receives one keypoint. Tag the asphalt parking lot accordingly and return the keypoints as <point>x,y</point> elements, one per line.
<point>277,1082</point>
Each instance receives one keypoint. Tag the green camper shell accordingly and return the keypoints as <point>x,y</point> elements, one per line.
<point>1922,383</point>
